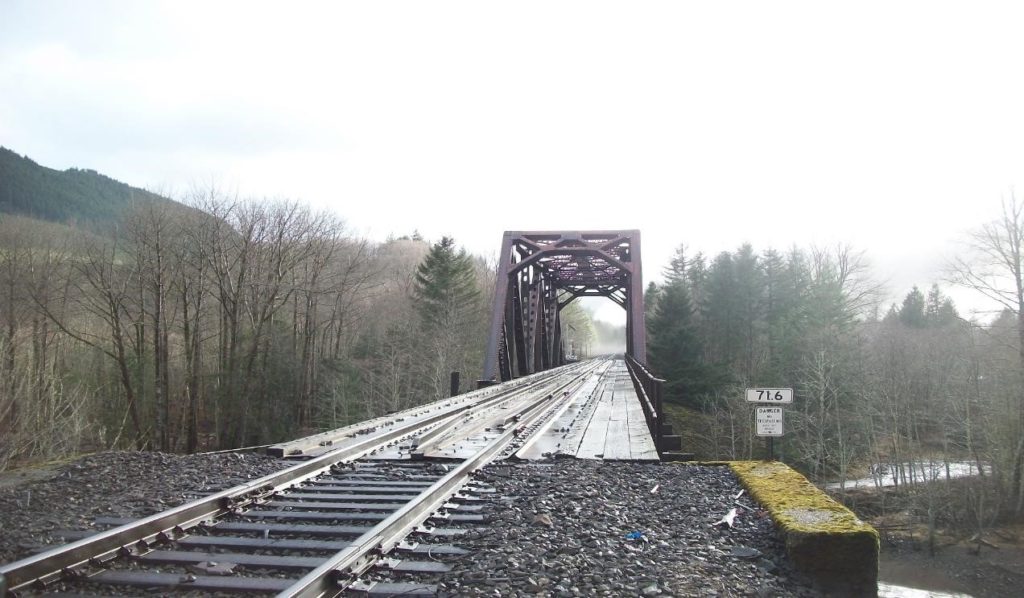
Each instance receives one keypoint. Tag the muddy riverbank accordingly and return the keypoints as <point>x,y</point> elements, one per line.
<point>956,568</point>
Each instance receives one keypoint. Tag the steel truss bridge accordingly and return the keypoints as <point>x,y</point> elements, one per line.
<point>539,274</point>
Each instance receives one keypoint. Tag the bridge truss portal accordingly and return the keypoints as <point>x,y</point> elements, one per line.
<point>539,274</point>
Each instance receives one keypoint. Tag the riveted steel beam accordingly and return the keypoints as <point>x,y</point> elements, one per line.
<point>539,274</point>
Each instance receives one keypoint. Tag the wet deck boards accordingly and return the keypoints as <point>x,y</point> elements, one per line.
<point>605,421</point>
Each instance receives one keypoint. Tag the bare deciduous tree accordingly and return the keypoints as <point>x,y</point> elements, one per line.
<point>995,269</point>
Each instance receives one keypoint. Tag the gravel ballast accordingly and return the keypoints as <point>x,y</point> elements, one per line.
<point>586,528</point>
<point>113,484</point>
<point>559,528</point>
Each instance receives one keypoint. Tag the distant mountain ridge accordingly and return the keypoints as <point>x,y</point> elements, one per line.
<point>69,196</point>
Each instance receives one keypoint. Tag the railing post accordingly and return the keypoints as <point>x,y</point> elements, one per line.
<point>453,387</point>
<point>657,405</point>
<point>649,389</point>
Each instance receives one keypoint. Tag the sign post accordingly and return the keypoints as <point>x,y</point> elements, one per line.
<point>768,415</point>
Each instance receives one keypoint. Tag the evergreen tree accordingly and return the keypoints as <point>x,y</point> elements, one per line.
<point>697,276</point>
<point>678,265</point>
<point>721,325</point>
<point>777,305</point>
<point>912,310</point>
<point>939,310</point>
<point>788,319</point>
<point>750,290</point>
<point>892,316</point>
<point>448,303</point>
<point>674,345</point>
<point>446,286</point>
<point>651,299</point>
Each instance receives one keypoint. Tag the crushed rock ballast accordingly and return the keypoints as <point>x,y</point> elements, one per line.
<point>590,528</point>
<point>114,484</point>
<point>556,528</point>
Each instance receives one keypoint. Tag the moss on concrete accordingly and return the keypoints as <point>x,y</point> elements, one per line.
<point>824,539</point>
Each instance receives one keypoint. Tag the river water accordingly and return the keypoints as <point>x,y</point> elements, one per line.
<point>887,590</point>
<point>902,579</point>
<point>898,579</point>
<point>886,474</point>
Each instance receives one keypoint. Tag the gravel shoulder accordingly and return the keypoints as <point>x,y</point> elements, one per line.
<point>36,505</point>
<point>560,528</point>
<point>587,528</point>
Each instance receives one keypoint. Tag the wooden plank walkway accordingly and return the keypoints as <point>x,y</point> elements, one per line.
<point>605,421</point>
<point>592,446</point>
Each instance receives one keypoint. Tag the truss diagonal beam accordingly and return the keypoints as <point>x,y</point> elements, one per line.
<point>535,269</point>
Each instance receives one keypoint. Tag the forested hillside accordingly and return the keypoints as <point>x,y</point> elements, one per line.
<point>240,323</point>
<point>218,323</point>
<point>83,196</point>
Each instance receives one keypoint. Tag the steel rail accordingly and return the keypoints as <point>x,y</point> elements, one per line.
<point>534,437</point>
<point>63,561</point>
<point>438,434</point>
<point>48,566</point>
<point>340,571</point>
<point>473,399</point>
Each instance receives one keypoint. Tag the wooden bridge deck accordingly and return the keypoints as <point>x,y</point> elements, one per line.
<point>604,421</point>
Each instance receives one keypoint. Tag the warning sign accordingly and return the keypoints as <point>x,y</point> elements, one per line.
<point>768,421</point>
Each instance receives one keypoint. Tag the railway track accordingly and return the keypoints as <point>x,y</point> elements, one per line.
<point>355,505</point>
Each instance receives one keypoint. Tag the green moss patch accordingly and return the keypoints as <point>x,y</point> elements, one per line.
<point>824,539</point>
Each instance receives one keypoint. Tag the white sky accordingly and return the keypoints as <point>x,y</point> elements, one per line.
<point>893,126</point>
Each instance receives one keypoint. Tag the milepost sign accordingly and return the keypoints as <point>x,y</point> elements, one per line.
<point>775,396</point>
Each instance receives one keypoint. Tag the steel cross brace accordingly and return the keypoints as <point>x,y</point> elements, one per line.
<point>542,272</point>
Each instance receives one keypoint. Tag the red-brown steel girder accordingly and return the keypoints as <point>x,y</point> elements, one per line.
<point>535,268</point>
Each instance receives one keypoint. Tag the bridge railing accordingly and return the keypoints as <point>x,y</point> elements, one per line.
<point>648,389</point>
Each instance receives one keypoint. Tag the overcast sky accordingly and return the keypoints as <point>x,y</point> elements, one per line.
<point>891,126</point>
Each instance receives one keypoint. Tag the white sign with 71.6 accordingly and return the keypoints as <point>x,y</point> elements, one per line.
<point>770,395</point>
